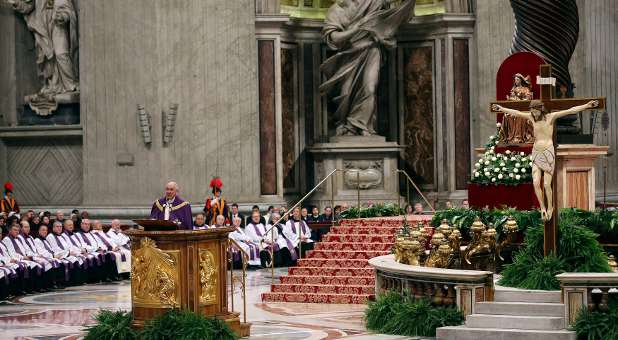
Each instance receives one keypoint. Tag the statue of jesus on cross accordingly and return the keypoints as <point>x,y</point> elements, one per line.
<point>543,114</point>
<point>543,154</point>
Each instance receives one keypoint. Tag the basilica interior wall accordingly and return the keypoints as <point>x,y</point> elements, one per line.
<point>198,54</point>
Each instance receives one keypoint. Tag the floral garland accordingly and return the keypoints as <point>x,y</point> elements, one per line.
<point>501,168</point>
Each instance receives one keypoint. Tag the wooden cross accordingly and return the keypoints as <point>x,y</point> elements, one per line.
<point>546,82</point>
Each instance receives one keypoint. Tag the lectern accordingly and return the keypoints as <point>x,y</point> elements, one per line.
<point>179,269</point>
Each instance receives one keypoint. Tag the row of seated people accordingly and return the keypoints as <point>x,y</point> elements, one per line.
<point>283,241</point>
<point>56,258</point>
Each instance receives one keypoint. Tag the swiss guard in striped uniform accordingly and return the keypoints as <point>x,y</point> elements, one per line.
<point>8,203</point>
<point>216,205</point>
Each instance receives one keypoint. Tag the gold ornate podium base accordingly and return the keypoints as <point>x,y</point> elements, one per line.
<point>181,269</point>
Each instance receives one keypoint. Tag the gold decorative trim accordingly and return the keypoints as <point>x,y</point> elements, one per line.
<point>158,204</point>
<point>154,276</point>
<point>179,206</point>
<point>208,278</point>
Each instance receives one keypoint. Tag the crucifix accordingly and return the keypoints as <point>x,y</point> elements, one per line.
<point>543,114</point>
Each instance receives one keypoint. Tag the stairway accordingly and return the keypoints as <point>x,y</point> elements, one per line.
<point>337,269</point>
<point>515,314</point>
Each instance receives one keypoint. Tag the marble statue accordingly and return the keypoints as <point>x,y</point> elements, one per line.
<point>54,25</point>
<point>357,30</point>
<point>516,130</point>
<point>543,155</point>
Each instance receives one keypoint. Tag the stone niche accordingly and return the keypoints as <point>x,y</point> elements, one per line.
<point>366,166</point>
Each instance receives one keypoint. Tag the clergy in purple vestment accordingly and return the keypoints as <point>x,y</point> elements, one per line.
<point>172,208</point>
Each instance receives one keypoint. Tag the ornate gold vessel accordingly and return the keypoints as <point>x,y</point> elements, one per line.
<point>446,250</point>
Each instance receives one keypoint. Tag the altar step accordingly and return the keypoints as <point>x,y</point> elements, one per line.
<point>359,238</point>
<point>317,298</point>
<point>329,280</point>
<point>334,263</point>
<point>337,270</point>
<point>350,246</point>
<point>364,230</point>
<point>323,289</point>
<point>345,254</point>
<point>322,272</point>
<point>515,314</point>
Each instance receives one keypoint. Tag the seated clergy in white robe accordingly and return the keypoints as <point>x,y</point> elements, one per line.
<point>43,248</point>
<point>123,256</point>
<point>219,222</point>
<point>62,247</point>
<point>298,232</point>
<point>106,261</point>
<point>26,243</point>
<point>115,232</point>
<point>17,251</point>
<point>250,248</point>
<point>264,236</point>
<point>288,255</point>
<point>200,222</point>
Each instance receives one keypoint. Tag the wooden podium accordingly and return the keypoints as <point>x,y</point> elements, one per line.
<point>180,269</point>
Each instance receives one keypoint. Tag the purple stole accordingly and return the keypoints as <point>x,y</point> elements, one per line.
<point>72,242</point>
<point>55,262</point>
<point>126,245</point>
<point>259,233</point>
<point>99,257</point>
<point>303,225</point>
<point>123,257</point>
<point>7,271</point>
<point>18,250</point>
<point>21,265</point>
<point>30,243</point>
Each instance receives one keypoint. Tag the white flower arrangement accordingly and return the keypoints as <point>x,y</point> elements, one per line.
<point>495,167</point>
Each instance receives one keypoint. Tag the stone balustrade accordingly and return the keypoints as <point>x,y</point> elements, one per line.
<point>586,290</point>
<point>442,286</point>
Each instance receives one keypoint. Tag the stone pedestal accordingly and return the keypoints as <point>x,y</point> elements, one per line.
<point>366,165</point>
<point>576,175</point>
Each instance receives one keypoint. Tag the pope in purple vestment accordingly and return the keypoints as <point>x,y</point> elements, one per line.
<point>172,208</point>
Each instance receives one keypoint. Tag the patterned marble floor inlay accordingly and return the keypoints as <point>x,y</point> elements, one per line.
<point>63,314</point>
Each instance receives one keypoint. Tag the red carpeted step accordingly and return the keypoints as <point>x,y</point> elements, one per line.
<point>337,270</point>
<point>329,280</point>
<point>358,238</point>
<point>349,246</point>
<point>322,289</point>
<point>342,254</point>
<point>317,298</point>
<point>353,230</point>
<point>334,263</point>
<point>321,272</point>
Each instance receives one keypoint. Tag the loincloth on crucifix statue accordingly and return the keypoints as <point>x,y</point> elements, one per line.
<point>544,159</point>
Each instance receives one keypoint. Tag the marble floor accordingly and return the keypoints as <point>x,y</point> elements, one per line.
<point>63,314</point>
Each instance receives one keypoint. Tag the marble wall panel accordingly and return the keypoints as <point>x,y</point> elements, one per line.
<point>45,170</point>
<point>268,145</point>
<point>289,116</point>
<point>417,90</point>
<point>461,82</point>
<point>201,55</point>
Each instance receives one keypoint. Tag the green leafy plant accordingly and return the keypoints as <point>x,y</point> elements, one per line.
<point>375,210</point>
<point>597,325</point>
<point>173,325</point>
<point>111,326</point>
<point>184,325</point>
<point>402,314</point>
<point>578,251</point>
